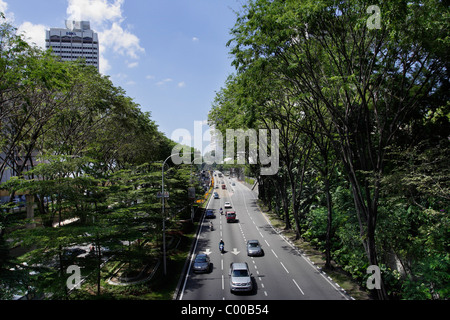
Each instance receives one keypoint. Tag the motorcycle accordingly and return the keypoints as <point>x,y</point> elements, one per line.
<point>221,247</point>
<point>211,227</point>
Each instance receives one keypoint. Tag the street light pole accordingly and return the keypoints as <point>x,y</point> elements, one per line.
<point>163,211</point>
<point>190,183</point>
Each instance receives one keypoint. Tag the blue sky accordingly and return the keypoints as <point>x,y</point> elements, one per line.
<point>170,56</point>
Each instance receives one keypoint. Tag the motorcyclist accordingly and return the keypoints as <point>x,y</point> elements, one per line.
<point>221,243</point>
<point>221,211</point>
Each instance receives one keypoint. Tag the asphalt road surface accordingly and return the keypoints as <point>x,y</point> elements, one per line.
<point>282,273</point>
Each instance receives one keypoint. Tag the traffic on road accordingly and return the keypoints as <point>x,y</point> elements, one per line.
<point>241,269</point>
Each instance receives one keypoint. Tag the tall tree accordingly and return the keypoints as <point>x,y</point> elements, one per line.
<point>369,81</point>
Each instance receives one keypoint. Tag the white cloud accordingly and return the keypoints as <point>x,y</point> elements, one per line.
<point>3,6</point>
<point>195,39</point>
<point>33,33</point>
<point>150,77</point>
<point>164,81</point>
<point>181,84</point>
<point>99,12</point>
<point>132,64</point>
<point>121,41</point>
<point>104,64</point>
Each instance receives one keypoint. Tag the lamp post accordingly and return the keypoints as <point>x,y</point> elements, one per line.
<point>163,212</point>
<point>190,183</point>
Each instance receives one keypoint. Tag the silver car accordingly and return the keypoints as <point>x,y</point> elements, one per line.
<point>240,277</point>
<point>202,263</point>
<point>254,248</point>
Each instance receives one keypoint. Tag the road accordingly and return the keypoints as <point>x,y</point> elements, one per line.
<point>282,273</point>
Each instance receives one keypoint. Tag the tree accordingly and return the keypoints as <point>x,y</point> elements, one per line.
<point>368,83</point>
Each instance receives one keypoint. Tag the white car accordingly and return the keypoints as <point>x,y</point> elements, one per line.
<point>227,205</point>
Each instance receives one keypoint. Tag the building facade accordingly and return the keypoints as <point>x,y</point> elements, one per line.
<point>75,41</point>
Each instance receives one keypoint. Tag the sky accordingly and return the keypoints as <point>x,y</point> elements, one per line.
<point>170,56</point>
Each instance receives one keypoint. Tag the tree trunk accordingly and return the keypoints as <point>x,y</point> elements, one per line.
<point>329,224</point>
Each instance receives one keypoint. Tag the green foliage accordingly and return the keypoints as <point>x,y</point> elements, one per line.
<point>89,157</point>
<point>372,104</point>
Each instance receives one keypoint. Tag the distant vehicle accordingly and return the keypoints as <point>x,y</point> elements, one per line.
<point>230,216</point>
<point>233,184</point>
<point>72,253</point>
<point>254,248</point>
<point>210,214</point>
<point>216,195</point>
<point>202,263</point>
<point>240,277</point>
<point>227,205</point>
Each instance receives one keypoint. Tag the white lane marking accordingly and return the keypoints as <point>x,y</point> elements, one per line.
<point>274,253</point>
<point>298,287</point>
<point>324,276</point>
<point>284,267</point>
<point>197,237</point>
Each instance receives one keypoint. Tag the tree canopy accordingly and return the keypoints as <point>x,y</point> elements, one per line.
<point>362,109</point>
<point>90,160</point>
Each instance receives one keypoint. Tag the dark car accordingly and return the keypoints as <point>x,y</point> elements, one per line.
<point>210,214</point>
<point>202,263</point>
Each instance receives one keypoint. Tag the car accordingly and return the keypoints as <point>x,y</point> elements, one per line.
<point>230,216</point>
<point>71,254</point>
<point>233,184</point>
<point>227,205</point>
<point>240,277</point>
<point>254,248</point>
<point>202,263</point>
<point>223,186</point>
<point>216,195</point>
<point>210,214</point>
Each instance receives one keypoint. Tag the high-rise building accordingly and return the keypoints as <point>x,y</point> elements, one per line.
<point>75,41</point>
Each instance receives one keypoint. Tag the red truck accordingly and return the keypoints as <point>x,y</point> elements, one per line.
<point>230,216</point>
